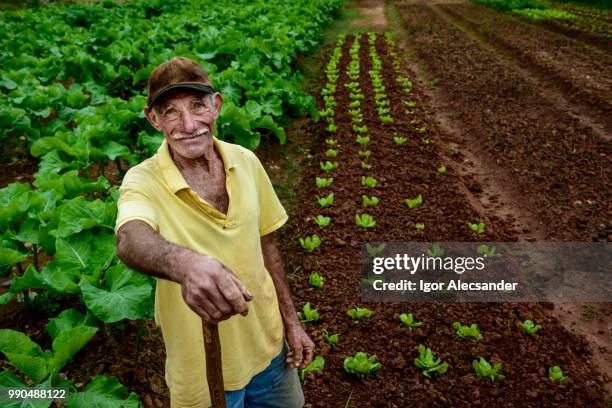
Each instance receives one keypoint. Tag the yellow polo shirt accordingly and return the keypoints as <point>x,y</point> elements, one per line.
<point>155,192</point>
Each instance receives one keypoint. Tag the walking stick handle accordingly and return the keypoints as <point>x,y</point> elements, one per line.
<point>214,372</point>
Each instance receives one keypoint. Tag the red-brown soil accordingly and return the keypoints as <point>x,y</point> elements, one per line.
<point>403,172</point>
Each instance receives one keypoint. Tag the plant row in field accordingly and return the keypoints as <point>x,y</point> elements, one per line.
<point>71,92</point>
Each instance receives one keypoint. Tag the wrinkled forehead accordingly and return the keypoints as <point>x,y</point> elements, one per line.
<point>182,98</point>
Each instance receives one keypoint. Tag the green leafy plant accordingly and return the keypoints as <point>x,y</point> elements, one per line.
<point>329,166</point>
<point>465,332</point>
<point>398,140</point>
<point>364,220</point>
<point>361,364</point>
<point>369,201</point>
<point>331,128</point>
<point>487,250</point>
<point>331,142</point>
<point>310,243</point>
<point>409,320</point>
<point>428,362</point>
<point>364,154</point>
<point>315,280</point>
<point>363,140</point>
<point>326,201</point>
<point>331,339</point>
<point>315,365</point>
<point>366,166</point>
<point>414,202</point>
<point>322,221</point>
<point>331,153</point>
<point>435,251</point>
<point>375,250</point>
<point>441,169</point>
<point>529,327</point>
<point>484,369</point>
<point>419,226</point>
<point>324,182</point>
<point>368,181</point>
<point>556,375</point>
<point>308,314</point>
<point>477,228</point>
<point>359,312</point>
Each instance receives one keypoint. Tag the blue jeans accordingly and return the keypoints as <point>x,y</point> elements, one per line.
<point>278,386</point>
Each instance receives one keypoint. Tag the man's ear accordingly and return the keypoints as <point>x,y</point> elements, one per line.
<point>218,104</point>
<point>152,118</point>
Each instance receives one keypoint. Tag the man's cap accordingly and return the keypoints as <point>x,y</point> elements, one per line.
<point>175,75</point>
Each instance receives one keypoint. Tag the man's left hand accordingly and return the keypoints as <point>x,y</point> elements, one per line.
<point>301,347</point>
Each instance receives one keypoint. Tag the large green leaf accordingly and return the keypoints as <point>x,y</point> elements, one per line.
<point>33,366</point>
<point>103,392</point>
<point>126,294</point>
<point>10,380</point>
<point>9,257</point>
<point>68,319</point>
<point>80,214</point>
<point>67,343</point>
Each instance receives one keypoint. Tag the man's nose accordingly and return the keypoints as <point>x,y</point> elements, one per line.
<point>188,121</point>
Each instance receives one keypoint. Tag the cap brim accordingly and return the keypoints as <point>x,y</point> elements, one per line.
<point>172,89</point>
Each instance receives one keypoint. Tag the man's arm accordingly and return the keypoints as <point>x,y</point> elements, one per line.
<point>209,288</point>
<point>301,346</point>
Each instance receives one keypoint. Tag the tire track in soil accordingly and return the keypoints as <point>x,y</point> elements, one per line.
<point>405,172</point>
<point>565,184</point>
<point>568,74</point>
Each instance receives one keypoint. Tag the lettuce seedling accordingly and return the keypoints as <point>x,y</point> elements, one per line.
<point>556,375</point>
<point>410,104</point>
<point>361,364</point>
<point>331,153</point>
<point>331,142</point>
<point>467,331</point>
<point>529,327</point>
<point>369,201</point>
<point>442,169</point>
<point>386,119</point>
<point>363,140</point>
<point>308,314</point>
<point>428,362</point>
<point>477,228</point>
<point>366,166</point>
<point>315,280</point>
<point>422,129</point>
<point>484,370</point>
<point>328,166</point>
<point>414,202</point>
<point>364,154</point>
<point>409,321</point>
<point>331,128</point>
<point>355,104</point>
<point>326,201</point>
<point>322,221</point>
<point>315,365</point>
<point>398,140</point>
<point>324,182</point>
<point>359,312</point>
<point>368,181</point>
<point>310,243</point>
<point>364,220</point>
<point>419,226</point>
<point>436,251</point>
<point>487,250</point>
<point>375,250</point>
<point>362,130</point>
<point>331,339</point>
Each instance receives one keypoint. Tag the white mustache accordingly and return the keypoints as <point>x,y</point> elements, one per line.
<point>184,135</point>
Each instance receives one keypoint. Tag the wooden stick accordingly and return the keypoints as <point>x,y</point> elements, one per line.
<point>214,372</point>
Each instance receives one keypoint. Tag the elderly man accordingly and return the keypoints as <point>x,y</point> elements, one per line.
<point>200,216</point>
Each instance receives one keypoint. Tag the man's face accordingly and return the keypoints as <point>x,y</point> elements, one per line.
<point>187,122</point>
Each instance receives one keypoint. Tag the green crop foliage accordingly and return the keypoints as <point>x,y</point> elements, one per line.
<point>359,312</point>
<point>315,280</point>
<point>556,375</point>
<point>364,154</point>
<point>324,182</point>
<point>361,364</point>
<point>322,221</point>
<point>441,169</point>
<point>375,250</point>
<point>398,140</point>
<point>435,251</point>
<point>310,243</point>
<point>366,166</point>
<point>326,201</point>
<point>315,365</point>
<point>331,339</point>
<point>477,228</point>
<point>487,250</point>
<point>419,226</point>
<point>308,314</point>
<point>428,362</point>
<point>409,320</point>
<point>331,153</point>
<point>365,221</point>
<point>484,369</point>
<point>368,181</point>
<point>529,327</point>
<point>331,142</point>
<point>414,202</point>
<point>331,128</point>
<point>363,140</point>
<point>465,332</point>
<point>369,201</point>
<point>328,166</point>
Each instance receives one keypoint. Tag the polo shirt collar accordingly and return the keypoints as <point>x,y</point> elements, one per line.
<point>172,175</point>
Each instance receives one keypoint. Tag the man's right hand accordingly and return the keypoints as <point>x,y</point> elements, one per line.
<point>212,290</point>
